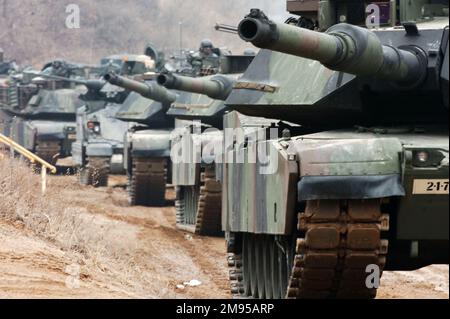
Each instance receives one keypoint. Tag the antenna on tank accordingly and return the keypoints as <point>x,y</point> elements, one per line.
<point>180,24</point>
<point>226,28</point>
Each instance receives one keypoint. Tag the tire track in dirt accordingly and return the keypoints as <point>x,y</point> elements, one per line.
<point>137,252</point>
<point>190,257</point>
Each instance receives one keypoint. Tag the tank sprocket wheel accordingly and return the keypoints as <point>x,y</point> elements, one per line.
<point>147,183</point>
<point>336,242</point>
<point>199,208</point>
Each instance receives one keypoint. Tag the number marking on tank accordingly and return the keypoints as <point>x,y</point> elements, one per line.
<point>431,186</point>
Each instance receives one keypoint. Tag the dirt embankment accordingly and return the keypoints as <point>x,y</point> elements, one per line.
<point>85,242</point>
<point>81,242</point>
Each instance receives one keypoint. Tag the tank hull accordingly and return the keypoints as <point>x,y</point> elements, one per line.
<point>147,163</point>
<point>342,166</point>
<point>196,176</point>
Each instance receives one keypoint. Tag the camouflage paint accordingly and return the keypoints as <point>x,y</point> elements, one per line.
<point>151,143</point>
<point>266,205</point>
<point>197,107</point>
<point>197,147</point>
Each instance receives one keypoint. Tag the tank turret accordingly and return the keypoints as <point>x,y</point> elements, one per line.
<point>343,47</point>
<point>217,87</point>
<point>346,74</point>
<point>150,90</point>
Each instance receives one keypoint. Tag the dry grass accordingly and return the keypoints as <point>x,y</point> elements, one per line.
<point>102,247</point>
<point>50,216</point>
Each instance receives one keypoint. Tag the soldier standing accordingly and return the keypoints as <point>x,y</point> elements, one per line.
<point>205,61</point>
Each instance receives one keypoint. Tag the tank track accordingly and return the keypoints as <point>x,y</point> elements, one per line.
<point>206,201</point>
<point>336,241</point>
<point>147,183</point>
<point>341,238</point>
<point>235,275</point>
<point>48,151</point>
<point>96,172</point>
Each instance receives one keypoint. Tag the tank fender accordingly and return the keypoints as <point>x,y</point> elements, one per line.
<point>48,130</point>
<point>349,168</point>
<point>185,158</point>
<point>151,143</point>
<point>99,150</point>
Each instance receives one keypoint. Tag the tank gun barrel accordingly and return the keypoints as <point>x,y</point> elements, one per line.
<point>218,87</point>
<point>343,47</point>
<point>90,84</point>
<point>152,91</point>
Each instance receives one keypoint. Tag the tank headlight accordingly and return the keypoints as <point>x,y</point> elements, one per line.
<point>422,157</point>
<point>90,125</point>
<point>94,127</point>
<point>428,158</point>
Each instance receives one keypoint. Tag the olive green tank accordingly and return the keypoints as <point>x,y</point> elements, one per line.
<point>147,144</point>
<point>199,115</point>
<point>360,184</point>
<point>39,108</point>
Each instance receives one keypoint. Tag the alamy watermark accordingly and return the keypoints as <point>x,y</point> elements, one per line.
<point>73,18</point>
<point>191,145</point>
<point>374,277</point>
<point>374,16</point>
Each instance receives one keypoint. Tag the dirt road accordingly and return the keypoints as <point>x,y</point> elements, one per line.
<point>91,244</point>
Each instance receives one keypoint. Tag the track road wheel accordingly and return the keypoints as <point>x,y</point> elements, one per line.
<point>268,268</point>
<point>246,264</point>
<point>260,274</point>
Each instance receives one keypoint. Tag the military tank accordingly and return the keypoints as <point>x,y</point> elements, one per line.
<point>361,186</point>
<point>199,114</point>
<point>98,146</point>
<point>39,113</point>
<point>147,152</point>
<point>147,144</point>
<point>98,150</point>
<point>199,122</point>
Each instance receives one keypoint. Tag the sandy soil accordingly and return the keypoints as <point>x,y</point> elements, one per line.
<point>426,283</point>
<point>118,251</point>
